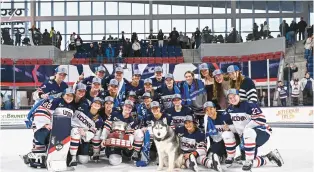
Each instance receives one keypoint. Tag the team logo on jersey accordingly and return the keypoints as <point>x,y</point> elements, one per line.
<point>230,110</point>
<point>238,118</point>
<point>53,140</point>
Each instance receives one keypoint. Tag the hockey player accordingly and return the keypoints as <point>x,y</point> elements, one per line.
<point>221,86</point>
<point>245,85</point>
<point>250,124</point>
<point>118,75</point>
<point>113,92</point>
<point>86,128</point>
<point>132,96</point>
<point>108,108</point>
<point>42,126</point>
<point>158,80</point>
<point>144,109</point>
<point>148,87</point>
<point>121,124</point>
<point>146,124</point>
<point>94,90</point>
<point>136,83</point>
<point>192,142</point>
<point>167,91</point>
<point>80,102</point>
<point>99,73</point>
<point>178,112</point>
<point>52,88</point>
<point>215,123</point>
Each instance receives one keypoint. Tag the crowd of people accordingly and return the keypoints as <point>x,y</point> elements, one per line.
<point>203,112</point>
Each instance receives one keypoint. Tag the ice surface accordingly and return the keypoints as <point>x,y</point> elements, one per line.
<point>295,146</point>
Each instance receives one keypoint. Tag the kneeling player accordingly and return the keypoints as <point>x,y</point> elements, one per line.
<point>215,122</point>
<point>118,134</point>
<point>193,146</point>
<point>87,125</point>
<point>42,126</point>
<point>250,124</point>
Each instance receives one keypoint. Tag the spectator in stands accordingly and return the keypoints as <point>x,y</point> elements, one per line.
<point>104,38</point>
<point>283,28</point>
<point>308,46</point>
<point>173,37</point>
<point>18,38</point>
<point>136,48</point>
<point>206,34</point>
<point>185,41</point>
<point>72,41</point>
<point>92,51</point>
<point>78,44</point>
<point>264,99</point>
<point>127,48</point>
<point>26,41</point>
<point>122,37</point>
<point>287,74</point>
<point>134,37</point>
<point>301,27</point>
<point>265,30</point>
<point>197,37</point>
<point>120,54</point>
<point>151,36</point>
<point>160,38</point>
<point>59,39</point>
<point>110,38</point>
<point>192,41</point>
<point>100,54</point>
<point>310,31</point>
<point>307,87</point>
<point>46,38</point>
<point>1,102</point>
<point>181,40</point>
<point>295,93</point>
<point>110,53</point>
<point>283,93</point>
<point>294,29</point>
<point>150,49</point>
<point>255,32</point>
<point>53,36</point>
<point>37,36</point>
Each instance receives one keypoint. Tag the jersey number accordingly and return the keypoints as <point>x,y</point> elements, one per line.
<point>47,105</point>
<point>255,111</point>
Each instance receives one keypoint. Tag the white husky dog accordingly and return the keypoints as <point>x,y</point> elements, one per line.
<point>168,146</point>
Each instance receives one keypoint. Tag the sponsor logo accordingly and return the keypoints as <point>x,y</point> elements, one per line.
<point>287,114</point>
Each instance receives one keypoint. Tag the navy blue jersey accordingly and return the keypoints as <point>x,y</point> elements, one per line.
<point>100,94</point>
<point>246,115</point>
<point>117,116</point>
<point>88,80</point>
<point>157,83</point>
<point>130,87</point>
<point>167,95</point>
<point>248,90</point>
<point>52,88</point>
<point>57,106</point>
<point>179,117</point>
<point>106,116</point>
<point>153,94</point>
<point>82,105</point>
<point>143,113</point>
<point>117,103</point>
<point>191,142</point>
<point>222,118</point>
<point>152,118</point>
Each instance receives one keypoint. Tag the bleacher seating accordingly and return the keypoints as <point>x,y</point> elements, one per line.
<point>29,61</point>
<point>244,58</point>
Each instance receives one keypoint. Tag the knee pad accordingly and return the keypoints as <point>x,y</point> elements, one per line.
<point>42,136</point>
<point>115,159</point>
<point>249,133</point>
<point>227,135</point>
<point>83,159</point>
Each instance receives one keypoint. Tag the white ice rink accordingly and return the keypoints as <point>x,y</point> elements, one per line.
<point>295,145</point>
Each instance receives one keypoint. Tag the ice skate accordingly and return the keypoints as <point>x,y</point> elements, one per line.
<point>247,166</point>
<point>73,161</point>
<point>193,163</point>
<point>275,157</point>
<point>216,163</point>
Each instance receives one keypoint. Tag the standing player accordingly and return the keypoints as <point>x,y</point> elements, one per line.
<point>86,128</point>
<point>245,85</point>
<point>158,80</point>
<point>193,146</point>
<point>42,126</point>
<point>148,87</point>
<point>94,90</point>
<point>52,88</point>
<point>99,73</point>
<point>250,124</point>
<point>113,92</point>
<point>178,112</point>
<point>136,82</point>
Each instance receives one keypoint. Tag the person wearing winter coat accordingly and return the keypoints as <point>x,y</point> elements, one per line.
<point>160,38</point>
<point>308,46</point>
<point>136,48</point>
<point>301,27</point>
<point>110,53</point>
<point>307,87</point>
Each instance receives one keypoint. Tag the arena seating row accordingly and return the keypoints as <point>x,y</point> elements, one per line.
<point>134,60</point>
<point>7,61</point>
<point>244,58</point>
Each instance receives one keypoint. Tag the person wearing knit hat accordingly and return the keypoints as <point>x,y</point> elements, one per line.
<point>245,85</point>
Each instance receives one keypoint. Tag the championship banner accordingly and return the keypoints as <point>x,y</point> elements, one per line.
<point>289,114</point>
<point>13,117</point>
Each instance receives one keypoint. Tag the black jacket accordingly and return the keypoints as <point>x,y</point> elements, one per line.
<point>160,36</point>
<point>302,25</point>
<point>287,73</point>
